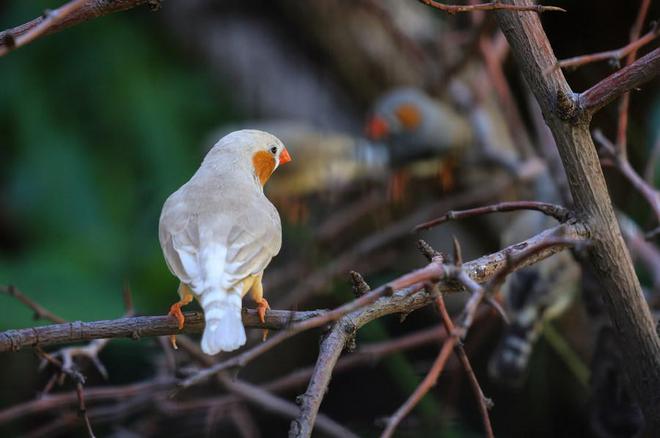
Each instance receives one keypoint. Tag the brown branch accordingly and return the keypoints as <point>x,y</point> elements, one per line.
<point>429,382</point>
<point>318,280</point>
<point>260,396</point>
<point>310,402</point>
<point>622,125</point>
<point>622,293</point>
<point>480,270</point>
<point>478,293</point>
<point>40,312</point>
<point>622,81</point>
<point>492,6</point>
<point>135,328</point>
<point>345,329</point>
<point>58,401</point>
<point>493,62</point>
<point>620,160</point>
<point>558,212</point>
<point>609,55</point>
<point>72,13</point>
<point>484,403</point>
<point>78,380</point>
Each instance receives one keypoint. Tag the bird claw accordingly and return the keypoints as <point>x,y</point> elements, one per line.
<point>262,307</point>
<point>175,311</point>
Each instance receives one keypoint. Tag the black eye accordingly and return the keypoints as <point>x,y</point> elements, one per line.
<point>273,150</point>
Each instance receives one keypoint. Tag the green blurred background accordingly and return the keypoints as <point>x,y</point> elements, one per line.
<point>98,125</point>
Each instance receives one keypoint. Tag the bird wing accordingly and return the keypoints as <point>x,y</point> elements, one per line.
<point>218,247</point>
<point>253,241</point>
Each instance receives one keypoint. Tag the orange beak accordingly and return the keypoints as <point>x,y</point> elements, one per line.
<point>376,128</point>
<point>284,156</point>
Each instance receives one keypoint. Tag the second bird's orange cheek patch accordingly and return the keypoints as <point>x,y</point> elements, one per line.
<point>409,116</point>
<point>264,164</point>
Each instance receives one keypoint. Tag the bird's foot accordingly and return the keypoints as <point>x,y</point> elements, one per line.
<point>398,185</point>
<point>175,311</point>
<point>446,176</point>
<point>262,307</point>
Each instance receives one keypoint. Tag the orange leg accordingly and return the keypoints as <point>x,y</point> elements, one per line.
<point>262,307</point>
<point>398,184</point>
<point>175,309</point>
<point>446,174</point>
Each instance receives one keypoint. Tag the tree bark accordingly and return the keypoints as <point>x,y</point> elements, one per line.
<point>622,293</point>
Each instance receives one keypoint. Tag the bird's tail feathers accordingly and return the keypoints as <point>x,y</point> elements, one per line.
<point>224,328</point>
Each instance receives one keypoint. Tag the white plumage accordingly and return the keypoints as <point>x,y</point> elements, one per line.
<point>218,232</point>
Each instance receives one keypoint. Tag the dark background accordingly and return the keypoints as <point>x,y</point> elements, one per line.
<point>101,122</point>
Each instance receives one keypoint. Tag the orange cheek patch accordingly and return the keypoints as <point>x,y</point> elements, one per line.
<point>264,164</point>
<point>409,116</point>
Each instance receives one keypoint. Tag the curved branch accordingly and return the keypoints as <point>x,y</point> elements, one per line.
<point>558,212</point>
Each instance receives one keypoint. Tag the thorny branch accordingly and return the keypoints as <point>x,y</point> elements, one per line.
<point>260,396</point>
<point>424,387</point>
<point>492,6</point>
<point>568,118</point>
<point>558,212</point>
<point>484,403</point>
<point>79,381</point>
<point>622,125</point>
<point>609,55</point>
<point>401,295</point>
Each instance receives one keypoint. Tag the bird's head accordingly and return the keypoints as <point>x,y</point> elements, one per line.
<point>398,113</point>
<point>258,151</point>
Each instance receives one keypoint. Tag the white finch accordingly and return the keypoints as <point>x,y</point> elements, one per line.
<point>218,233</point>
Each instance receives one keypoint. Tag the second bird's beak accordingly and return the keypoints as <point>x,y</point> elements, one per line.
<point>376,128</point>
<point>284,156</point>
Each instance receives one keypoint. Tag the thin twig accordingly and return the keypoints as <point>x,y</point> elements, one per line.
<point>39,311</point>
<point>558,212</point>
<point>622,125</point>
<point>79,381</point>
<point>429,382</point>
<point>484,403</point>
<point>620,161</point>
<point>492,6</point>
<point>609,55</point>
<point>261,396</point>
<point>480,270</point>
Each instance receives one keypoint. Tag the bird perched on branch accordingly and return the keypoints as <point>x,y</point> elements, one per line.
<point>416,127</point>
<point>218,233</point>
